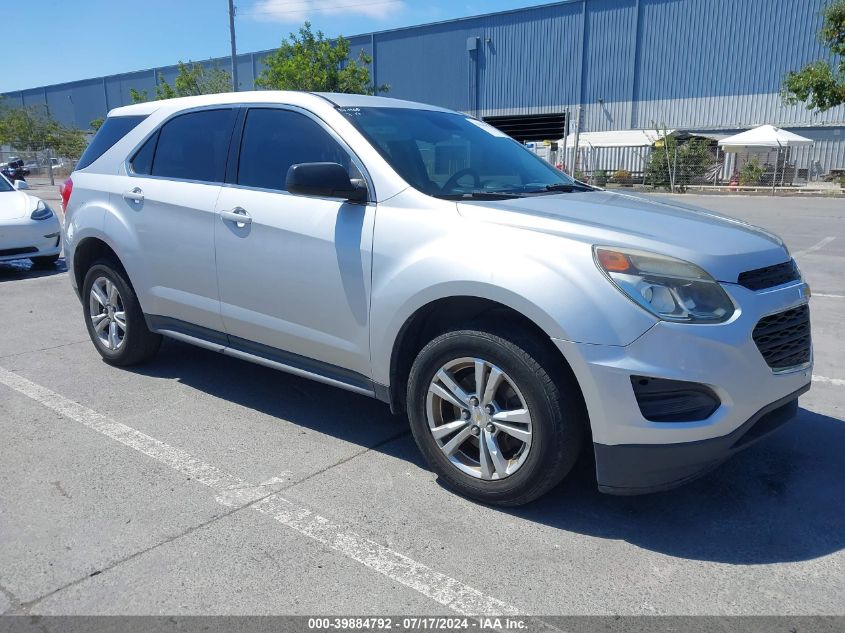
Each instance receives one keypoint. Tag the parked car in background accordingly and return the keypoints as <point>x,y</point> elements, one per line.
<point>28,226</point>
<point>422,257</point>
<point>14,170</point>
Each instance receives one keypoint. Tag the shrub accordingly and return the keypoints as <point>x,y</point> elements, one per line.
<point>600,178</point>
<point>751,173</point>
<point>622,177</point>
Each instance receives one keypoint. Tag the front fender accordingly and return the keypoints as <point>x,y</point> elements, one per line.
<point>550,280</point>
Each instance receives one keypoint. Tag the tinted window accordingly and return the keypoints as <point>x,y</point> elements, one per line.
<point>273,140</point>
<point>449,154</point>
<point>142,162</point>
<point>114,129</point>
<point>194,146</point>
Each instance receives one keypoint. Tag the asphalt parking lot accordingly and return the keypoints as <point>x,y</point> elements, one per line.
<point>200,484</point>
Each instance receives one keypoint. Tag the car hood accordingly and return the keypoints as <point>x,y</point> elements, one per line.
<point>722,246</point>
<point>14,205</point>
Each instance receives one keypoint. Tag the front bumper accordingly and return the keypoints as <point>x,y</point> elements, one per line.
<point>636,455</point>
<point>631,469</point>
<point>30,238</point>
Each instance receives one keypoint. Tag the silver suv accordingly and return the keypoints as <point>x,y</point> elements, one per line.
<point>419,256</point>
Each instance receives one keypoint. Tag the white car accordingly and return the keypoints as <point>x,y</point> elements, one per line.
<point>28,226</point>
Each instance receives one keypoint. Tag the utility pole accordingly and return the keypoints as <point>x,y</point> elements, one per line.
<point>234,51</point>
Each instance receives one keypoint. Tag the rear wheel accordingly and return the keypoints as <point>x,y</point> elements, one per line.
<point>494,416</point>
<point>114,319</point>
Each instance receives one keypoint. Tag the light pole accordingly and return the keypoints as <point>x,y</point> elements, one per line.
<point>234,53</point>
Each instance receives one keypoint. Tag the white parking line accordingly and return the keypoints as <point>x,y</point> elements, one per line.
<point>817,246</point>
<point>839,382</point>
<point>233,491</point>
<point>828,295</point>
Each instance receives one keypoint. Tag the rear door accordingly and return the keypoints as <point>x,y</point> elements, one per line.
<point>170,195</point>
<point>297,276</point>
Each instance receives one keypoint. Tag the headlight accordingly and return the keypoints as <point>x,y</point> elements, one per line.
<point>42,211</point>
<point>669,288</point>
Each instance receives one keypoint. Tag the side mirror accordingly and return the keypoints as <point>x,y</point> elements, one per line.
<point>20,185</point>
<point>326,180</point>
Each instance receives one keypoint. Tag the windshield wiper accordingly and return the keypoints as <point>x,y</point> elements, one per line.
<point>482,195</point>
<point>562,187</point>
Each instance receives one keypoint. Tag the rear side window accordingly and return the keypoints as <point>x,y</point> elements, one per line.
<point>273,140</point>
<point>142,162</point>
<point>114,129</point>
<point>194,146</point>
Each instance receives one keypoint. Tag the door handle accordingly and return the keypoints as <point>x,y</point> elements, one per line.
<point>134,195</point>
<point>237,215</point>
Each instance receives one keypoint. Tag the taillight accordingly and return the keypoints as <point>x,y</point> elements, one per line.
<point>65,190</point>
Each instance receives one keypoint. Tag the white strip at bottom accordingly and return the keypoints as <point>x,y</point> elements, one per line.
<point>232,491</point>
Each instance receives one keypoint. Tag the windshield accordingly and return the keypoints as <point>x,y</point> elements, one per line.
<point>450,155</point>
<point>5,185</point>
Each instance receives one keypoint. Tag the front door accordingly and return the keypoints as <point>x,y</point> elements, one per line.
<point>294,276</point>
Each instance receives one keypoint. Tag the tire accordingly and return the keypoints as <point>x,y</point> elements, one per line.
<point>137,343</point>
<point>534,376</point>
<point>45,262</point>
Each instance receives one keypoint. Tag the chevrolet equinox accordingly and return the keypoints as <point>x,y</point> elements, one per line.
<point>422,257</point>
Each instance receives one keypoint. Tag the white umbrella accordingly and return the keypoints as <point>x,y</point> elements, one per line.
<point>762,138</point>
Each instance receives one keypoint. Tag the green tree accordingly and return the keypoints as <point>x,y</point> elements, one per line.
<point>311,62</point>
<point>68,142</point>
<point>690,161</point>
<point>821,85</point>
<point>192,79</point>
<point>33,129</point>
<point>138,96</point>
<point>97,123</point>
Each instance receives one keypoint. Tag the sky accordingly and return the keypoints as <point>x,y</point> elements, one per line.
<point>54,41</point>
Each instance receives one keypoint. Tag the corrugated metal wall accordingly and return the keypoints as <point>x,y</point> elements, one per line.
<point>694,64</point>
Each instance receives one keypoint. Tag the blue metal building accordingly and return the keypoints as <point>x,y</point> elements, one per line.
<point>693,64</point>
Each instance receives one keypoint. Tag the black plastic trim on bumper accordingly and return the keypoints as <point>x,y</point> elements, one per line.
<point>631,469</point>
<point>662,400</point>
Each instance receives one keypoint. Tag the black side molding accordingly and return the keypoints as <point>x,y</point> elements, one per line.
<point>274,357</point>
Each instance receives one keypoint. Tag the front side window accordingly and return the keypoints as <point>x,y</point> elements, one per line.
<point>275,139</point>
<point>450,155</point>
<point>192,146</point>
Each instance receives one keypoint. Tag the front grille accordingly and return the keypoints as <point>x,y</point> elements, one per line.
<point>17,251</point>
<point>784,338</point>
<point>769,276</point>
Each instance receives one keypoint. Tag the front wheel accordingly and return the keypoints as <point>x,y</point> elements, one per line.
<point>493,415</point>
<point>114,318</point>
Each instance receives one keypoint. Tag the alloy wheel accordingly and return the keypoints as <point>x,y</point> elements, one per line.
<point>108,317</point>
<point>479,418</point>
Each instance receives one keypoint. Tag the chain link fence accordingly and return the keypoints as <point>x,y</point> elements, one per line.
<point>686,161</point>
<point>42,165</point>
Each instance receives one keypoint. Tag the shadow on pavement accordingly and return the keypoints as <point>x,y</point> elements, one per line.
<point>781,500</point>
<point>25,269</point>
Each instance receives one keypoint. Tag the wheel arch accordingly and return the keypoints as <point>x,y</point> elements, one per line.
<point>446,313</point>
<point>89,250</point>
